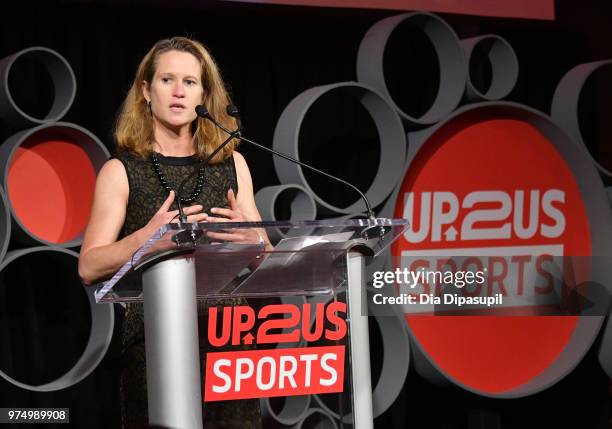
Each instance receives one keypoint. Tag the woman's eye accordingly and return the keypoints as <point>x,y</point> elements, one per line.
<point>165,79</point>
<point>190,82</point>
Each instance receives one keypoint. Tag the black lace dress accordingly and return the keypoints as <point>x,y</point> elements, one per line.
<point>145,198</point>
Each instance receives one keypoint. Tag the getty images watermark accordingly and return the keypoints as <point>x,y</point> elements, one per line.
<point>518,284</point>
<point>401,278</point>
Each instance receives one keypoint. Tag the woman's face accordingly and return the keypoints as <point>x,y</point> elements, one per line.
<point>175,90</point>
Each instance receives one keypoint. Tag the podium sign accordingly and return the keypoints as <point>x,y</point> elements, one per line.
<point>312,339</point>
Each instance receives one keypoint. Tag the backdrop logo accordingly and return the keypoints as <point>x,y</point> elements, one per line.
<point>494,187</point>
<point>280,372</point>
<point>515,270</point>
<point>522,215</point>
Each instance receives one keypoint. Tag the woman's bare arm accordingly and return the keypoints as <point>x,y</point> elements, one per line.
<point>245,197</point>
<point>242,206</point>
<point>101,254</point>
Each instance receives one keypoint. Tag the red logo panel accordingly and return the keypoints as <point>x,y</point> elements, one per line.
<point>491,183</point>
<point>266,373</point>
<point>278,372</point>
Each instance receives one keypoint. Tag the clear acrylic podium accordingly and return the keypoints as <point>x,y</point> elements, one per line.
<point>182,263</point>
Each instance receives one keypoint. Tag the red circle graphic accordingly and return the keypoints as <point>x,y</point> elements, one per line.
<point>50,186</point>
<point>477,151</point>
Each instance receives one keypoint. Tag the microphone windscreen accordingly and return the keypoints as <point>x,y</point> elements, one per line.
<point>201,111</point>
<point>232,110</point>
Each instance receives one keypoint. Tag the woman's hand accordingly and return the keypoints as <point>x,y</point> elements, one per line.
<point>234,214</point>
<point>101,254</point>
<point>164,215</point>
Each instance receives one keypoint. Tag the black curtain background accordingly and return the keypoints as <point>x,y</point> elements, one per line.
<point>268,55</point>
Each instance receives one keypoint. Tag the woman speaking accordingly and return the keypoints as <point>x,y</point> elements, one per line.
<point>160,141</point>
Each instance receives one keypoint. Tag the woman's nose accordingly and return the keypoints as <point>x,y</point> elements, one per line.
<point>179,90</point>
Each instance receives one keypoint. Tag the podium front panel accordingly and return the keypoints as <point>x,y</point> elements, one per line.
<point>280,321</point>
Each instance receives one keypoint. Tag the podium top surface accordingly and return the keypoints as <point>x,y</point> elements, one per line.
<point>232,261</point>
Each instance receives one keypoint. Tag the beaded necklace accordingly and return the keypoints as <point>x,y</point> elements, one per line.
<point>162,179</point>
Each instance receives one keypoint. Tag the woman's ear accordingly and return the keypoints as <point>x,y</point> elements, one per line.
<point>145,90</point>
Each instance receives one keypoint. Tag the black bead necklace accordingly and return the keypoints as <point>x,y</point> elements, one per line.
<point>162,179</point>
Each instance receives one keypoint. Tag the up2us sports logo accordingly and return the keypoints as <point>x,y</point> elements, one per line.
<point>502,183</point>
<point>499,192</point>
<point>529,222</point>
<point>288,371</point>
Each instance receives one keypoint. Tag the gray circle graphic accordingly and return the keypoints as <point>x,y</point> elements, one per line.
<point>316,418</point>
<point>453,69</point>
<point>504,66</point>
<point>396,358</point>
<point>101,331</point>
<point>5,224</point>
<point>391,137</point>
<point>302,207</point>
<point>294,409</point>
<point>61,74</point>
<point>564,110</point>
<point>95,150</point>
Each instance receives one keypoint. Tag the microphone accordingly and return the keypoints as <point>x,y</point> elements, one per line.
<point>202,112</point>
<point>233,112</point>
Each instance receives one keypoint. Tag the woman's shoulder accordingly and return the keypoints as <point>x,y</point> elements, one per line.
<point>239,161</point>
<point>243,175</point>
<point>131,163</point>
<point>113,175</point>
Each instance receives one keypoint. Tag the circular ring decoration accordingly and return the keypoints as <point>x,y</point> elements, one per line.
<point>496,356</point>
<point>5,224</point>
<point>64,84</point>
<point>303,207</point>
<point>396,359</point>
<point>102,322</point>
<point>504,66</point>
<point>294,409</point>
<point>564,110</point>
<point>453,69</point>
<point>391,134</point>
<point>316,418</point>
<point>52,166</point>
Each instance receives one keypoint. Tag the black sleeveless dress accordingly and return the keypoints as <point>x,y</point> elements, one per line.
<point>145,198</point>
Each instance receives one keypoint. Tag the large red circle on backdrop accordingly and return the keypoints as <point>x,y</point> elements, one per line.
<point>476,152</point>
<point>50,187</point>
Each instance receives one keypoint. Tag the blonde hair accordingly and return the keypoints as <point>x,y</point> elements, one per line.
<point>134,126</point>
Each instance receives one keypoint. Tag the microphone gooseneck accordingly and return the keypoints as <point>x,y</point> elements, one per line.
<point>202,112</point>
